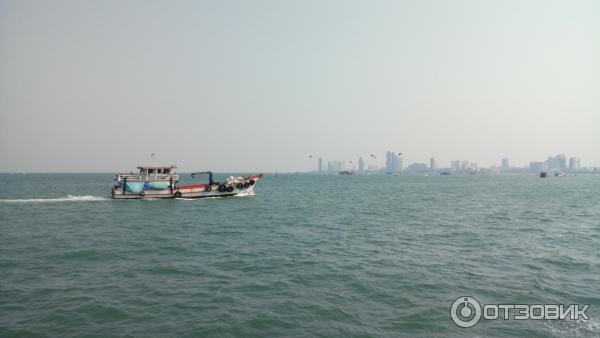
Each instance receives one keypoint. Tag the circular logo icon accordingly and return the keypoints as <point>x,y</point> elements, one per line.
<point>465,311</point>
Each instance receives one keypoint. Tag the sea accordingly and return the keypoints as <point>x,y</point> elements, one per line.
<point>305,256</point>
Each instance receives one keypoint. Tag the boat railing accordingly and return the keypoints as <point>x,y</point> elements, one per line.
<point>147,177</point>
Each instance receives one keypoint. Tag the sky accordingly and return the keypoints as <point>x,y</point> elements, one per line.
<point>261,85</point>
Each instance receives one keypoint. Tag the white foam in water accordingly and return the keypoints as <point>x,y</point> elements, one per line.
<point>244,194</point>
<point>69,198</point>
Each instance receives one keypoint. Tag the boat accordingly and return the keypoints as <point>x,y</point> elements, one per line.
<point>445,173</point>
<point>161,182</point>
<point>150,181</point>
<point>559,174</point>
<point>544,174</point>
<point>233,185</point>
<point>346,172</point>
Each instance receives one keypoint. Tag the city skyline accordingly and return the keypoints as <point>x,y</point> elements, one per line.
<point>394,164</point>
<point>397,163</point>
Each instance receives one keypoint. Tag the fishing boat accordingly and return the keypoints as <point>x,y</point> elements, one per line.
<point>149,182</point>
<point>233,185</point>
<point>161,182</point>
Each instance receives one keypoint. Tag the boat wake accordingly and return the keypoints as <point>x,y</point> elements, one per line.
<point>68,198</point>
<point>246,194</point>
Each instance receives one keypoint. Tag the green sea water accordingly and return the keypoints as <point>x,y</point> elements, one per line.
<point>306,256</point>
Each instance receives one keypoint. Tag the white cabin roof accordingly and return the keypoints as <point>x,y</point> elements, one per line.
<point>157,167</point>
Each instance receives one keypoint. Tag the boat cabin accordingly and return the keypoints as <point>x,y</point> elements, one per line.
<point>156,170</point>
<point>151,173</point>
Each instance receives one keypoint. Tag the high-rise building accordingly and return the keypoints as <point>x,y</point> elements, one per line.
<point>361,164</point>
<point>537,167</point>
<point>464,165</point>
<point>393,163</point>
<point>335,165</point>
<point>574,163</point>
<point>389,161</point>
<point>557,162</point>
<point>432,164</point>
<point>455,165</point>
<point>505,163</point>
<point>320,164</point>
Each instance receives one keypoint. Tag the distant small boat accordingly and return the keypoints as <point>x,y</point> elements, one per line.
<point>544,174</point>
<point>559,174</point>
<point>445,173</point>
<point>346,172</point>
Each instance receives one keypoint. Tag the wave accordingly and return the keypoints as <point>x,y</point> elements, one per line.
<point>68,198</point>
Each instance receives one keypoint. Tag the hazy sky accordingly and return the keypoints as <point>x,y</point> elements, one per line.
<point>260,85</point>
